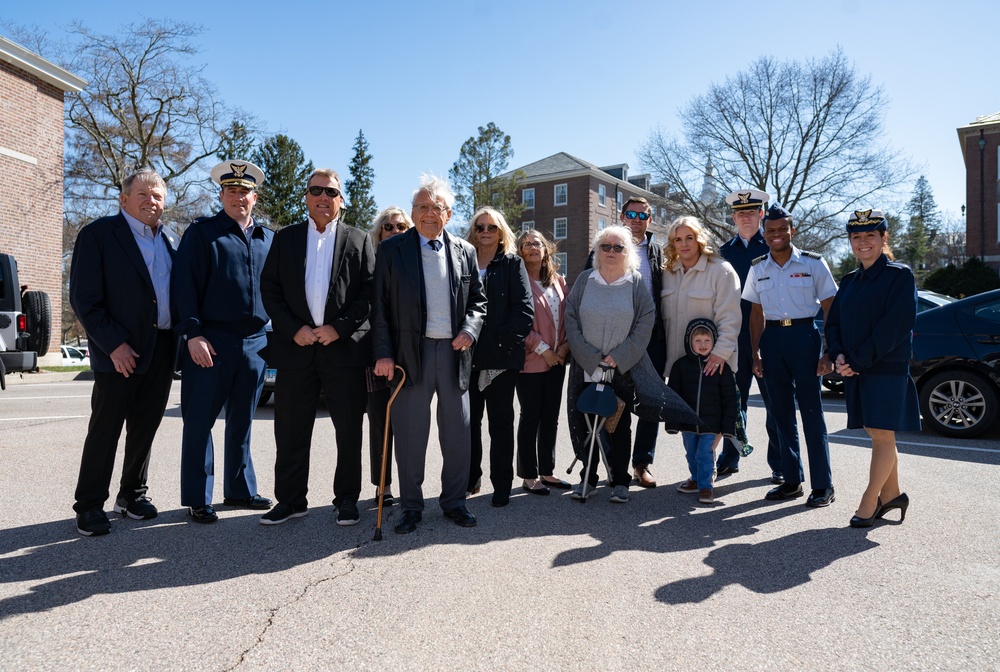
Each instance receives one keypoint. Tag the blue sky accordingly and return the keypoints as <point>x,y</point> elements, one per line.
<point>588,78</point>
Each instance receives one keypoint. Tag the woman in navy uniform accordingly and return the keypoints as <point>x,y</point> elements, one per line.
<point>868,333</point>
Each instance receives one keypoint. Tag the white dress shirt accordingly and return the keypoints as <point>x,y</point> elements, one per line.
<point>319,266</point>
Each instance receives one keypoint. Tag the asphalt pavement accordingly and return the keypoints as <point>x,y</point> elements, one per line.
<point>661,582</point>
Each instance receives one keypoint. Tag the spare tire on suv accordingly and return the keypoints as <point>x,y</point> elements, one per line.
<point>38,311</point>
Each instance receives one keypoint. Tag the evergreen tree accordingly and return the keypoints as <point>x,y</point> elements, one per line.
<point>360,204</point>
<point>238,142</point>
<point>281,199</point>
<point>476,175</point>
<point>922,229</point>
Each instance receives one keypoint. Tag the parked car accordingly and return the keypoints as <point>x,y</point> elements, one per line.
<point>270,373</point>
<point>25,322</point>
<point>956,348</point>
<point>925,301</point>
<point>74,356</point>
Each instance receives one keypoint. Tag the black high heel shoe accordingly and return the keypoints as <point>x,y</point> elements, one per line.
<point>900,503</point>
<point>858,521</point>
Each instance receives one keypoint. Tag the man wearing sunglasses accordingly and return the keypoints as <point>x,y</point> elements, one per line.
<point>317,288</point>
<point>215,283</point>
<point>636,214</point>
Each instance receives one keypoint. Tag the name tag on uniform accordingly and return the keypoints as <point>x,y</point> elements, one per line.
<point>800,275</point>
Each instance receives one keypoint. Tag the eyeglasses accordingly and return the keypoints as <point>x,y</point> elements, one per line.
<point>632,214</point>
<point>534,244</point>
<point>492,228</point>
<point>437,209</point>
<point>608,247</point>
<point>389,226</point>
<point>332,192</point>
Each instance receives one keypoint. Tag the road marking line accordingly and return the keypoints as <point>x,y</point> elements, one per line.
<point>922,445</point>
<point>45,417</point>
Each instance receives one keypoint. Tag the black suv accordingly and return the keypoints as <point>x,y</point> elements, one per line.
<point>956,349</point>
<point>25,322</point>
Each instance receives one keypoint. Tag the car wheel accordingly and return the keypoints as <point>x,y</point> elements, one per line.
<point>265,396</point>
<point>960,404</point>
<point>38,315</point>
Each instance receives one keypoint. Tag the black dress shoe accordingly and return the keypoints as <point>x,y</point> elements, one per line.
<point>408,522</point>
<point>777,478</point>
<point>255,502</point>
<point>203,514</point>
<point>726,471</point>
<point>461,517</point>
<point>783,492</point>
<point>558,483</point>
<point>858,521</point>
<point>901,503</point>
<point>820,498</point>
<point>500,500</point>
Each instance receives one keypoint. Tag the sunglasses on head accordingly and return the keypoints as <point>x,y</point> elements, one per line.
<point>332,192</point>
<point>608,247</point>
<point>389,226</point>
<point>492,228</point>
<point>632,214</point>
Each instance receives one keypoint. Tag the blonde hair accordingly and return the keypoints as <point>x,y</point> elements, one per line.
<point>506,242</point>
<point>377,234</point>
<point>700,234</point>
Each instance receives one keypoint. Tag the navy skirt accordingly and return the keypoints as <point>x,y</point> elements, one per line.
<point>882,402</point>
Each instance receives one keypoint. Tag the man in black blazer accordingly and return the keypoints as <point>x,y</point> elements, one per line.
<point>317,286</point>
<point>429,307</point>
<point>120,289</point>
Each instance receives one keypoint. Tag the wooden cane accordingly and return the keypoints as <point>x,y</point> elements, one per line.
<point>385,451</point>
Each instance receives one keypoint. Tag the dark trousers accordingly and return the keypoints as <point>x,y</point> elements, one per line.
<point>497,400</point>
<point>789,356</point>
<point>618,444</point>
<point>540,397</point>
<point>729,456</point>
<point>379,432</point>
<point>233,382</point>
<point>137,403</point>
<point>296,397</point>
<point>411,421</point>
<point>646,431</point>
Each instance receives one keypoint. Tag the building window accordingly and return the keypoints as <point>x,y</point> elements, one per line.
<point>620,201</point>
<point>663,215</point>
<point>601,224</point>
<point>602,195</point>
<point>527,226</point>
<point>559,228</point>
<point>561,196</point>
<point>561,261</point>
<point>528,198</point>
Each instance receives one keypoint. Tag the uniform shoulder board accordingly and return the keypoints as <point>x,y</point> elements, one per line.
<point>812,255</point>
<point>758,260</point>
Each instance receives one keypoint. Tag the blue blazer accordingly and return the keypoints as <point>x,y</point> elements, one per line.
<point>111,291</point>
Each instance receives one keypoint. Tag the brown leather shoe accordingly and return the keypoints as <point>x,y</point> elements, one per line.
<point>643,476</point>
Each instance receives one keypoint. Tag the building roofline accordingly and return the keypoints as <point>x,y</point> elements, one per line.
<point>588,169</point>
<point>20,57</point>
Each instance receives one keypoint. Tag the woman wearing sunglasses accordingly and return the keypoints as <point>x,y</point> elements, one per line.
<point>609,319</point>
<point>388,223</point>
<point>499,351</point>
<point>540,382</point>
<point>698,283</point>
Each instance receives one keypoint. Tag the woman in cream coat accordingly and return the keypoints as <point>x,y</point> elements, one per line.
<point>697,282</point>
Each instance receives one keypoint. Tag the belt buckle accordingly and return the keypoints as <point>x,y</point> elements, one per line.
<point>785,321</point>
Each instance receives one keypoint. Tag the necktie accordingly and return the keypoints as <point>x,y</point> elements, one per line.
<point>434,244</point>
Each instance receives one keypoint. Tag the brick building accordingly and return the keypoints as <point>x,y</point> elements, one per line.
<point>31,171</point>
<point>570,200</point>
<point>980,143</point>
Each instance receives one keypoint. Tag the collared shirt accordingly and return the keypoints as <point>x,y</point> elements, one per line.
<point>647,275</point>
<point>437,289</point>
<point>599,279</point>
<point>794,290</point>
<point>319,265</point>
<point>155,255</point>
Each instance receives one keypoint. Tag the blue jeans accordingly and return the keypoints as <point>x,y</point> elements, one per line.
<point>701,462</point>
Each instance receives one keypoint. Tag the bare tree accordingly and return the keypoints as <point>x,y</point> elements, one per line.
<point>809,133</point>
<point>145,106</point>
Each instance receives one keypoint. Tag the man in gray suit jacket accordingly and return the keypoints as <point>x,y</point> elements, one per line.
<point>119,287</point>
<point>429,307</point>
<point>317,287</point>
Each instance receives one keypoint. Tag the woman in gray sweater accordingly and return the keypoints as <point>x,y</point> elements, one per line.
<point>609,319</point>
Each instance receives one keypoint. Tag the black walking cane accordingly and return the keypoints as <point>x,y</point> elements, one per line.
<point>385,451</point>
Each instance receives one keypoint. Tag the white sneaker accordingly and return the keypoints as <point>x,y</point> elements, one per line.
<point>620,494</point>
